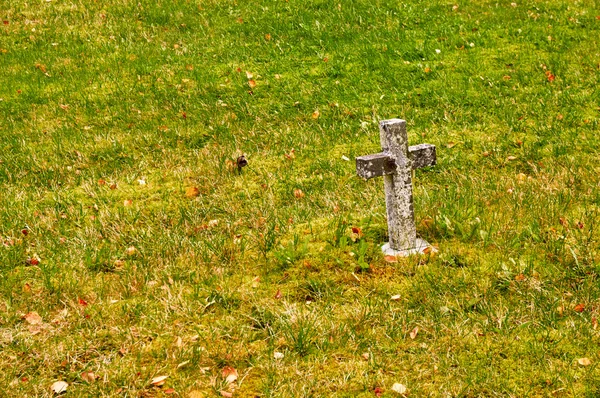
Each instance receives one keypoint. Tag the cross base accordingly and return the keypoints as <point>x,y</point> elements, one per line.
<point>420,247</point>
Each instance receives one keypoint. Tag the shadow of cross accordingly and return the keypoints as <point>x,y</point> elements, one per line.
<point>396,164</point>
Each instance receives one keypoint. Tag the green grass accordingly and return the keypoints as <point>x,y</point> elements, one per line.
<point>95,96</point>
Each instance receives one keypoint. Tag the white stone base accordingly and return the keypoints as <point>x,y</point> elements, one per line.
<point>420,247</point>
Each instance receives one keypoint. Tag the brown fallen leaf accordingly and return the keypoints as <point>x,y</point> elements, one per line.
<point>88,376</point>
<point>278,295</point>
<point>169,391</point>
<point>391,259</point>
<point>298,193</point>
<point>33,318</point>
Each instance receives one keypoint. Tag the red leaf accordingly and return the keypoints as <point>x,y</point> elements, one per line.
<point>378,391</point>
<point>579,307</point>
<point>82,302</point>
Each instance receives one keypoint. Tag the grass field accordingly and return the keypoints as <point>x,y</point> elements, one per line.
<point>132,248</point>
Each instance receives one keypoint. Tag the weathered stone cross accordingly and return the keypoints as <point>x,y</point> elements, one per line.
<point>396,164</point>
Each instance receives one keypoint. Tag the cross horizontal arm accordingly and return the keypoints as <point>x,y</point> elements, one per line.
<point>378,164</point>
<point>422,155</point>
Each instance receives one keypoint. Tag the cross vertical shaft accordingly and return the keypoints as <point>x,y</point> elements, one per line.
<point>398,186</point>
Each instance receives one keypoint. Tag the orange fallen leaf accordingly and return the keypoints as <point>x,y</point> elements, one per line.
<point>413,333</point>
<point>82,302</point>
<point>391,259</point>
<point>268,36</point>
<point>298,193</point>
<point>127,202</point>
<point>579,307</point>
<point>229,374</point>
<point>251,83</point>
<point>192,192</point>
<point>169,391</point>
<point>316,114</point>
<point>520,277</point>
<point>88,376</point>
<point>33,318</point>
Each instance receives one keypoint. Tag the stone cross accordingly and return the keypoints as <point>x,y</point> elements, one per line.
<point>395,164</point>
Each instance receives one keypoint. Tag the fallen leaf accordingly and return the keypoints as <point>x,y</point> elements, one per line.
<point>249,75</point>
<point>511,158</point>
<point>251,83</point>
<point>226,394</point>
<point>520,277</point>
<point>391,259</point>
<point>192,192</point>
<point>365,356</point>
<point>427,70</point>
<point>33,261</point>
<point>82,302</point>
<point>195,394</point>
<point>550,76</point>
<point>594,322</point>
<point>298,193</point>
<point>278,355</point>
<point>395,297</point>
<point>378,391</point>
<point>579,307</point>
<point>59,387</point>
<point>451,144</point>
<point>229,374</point>
<point>413,333</point>
<point>316,114</point>
<point>521,177</point>
<point>399,388</point>
<point>33,318</point>
<point>158,380</point>
<point>169,391</point>
<point>584,361</point>
<point>130,251</point>
<point>278,295</point>
<point>127,202</point>
<point>357,231</point>
<point>268,36</point>
<point>88,376</point>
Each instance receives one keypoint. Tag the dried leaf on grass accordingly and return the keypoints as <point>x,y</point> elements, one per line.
<point>33,318</point>
<point>158,380</point>
<point>229,374</point>
<point>399,388</point>
<point>59,387</point>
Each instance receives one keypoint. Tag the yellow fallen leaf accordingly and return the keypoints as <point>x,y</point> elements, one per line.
<point>316,114</point>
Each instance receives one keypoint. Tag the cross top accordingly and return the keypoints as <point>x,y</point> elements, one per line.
<point>395,164</point>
